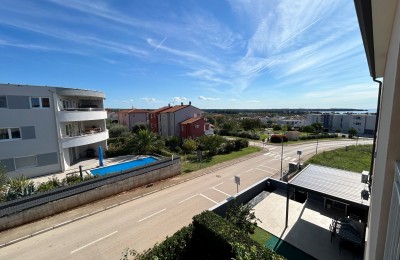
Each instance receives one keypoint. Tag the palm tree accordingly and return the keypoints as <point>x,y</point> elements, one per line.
<point>145,141</point>
<point>19,187</point>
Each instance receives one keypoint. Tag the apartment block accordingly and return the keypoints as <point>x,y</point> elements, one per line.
<point>363,123</point>
<point>44,129</point>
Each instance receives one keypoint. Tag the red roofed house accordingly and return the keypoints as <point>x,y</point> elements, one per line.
<point>169,119</point>
<point>194,127</point>
<point>153,119</point>
<point>133,117</point>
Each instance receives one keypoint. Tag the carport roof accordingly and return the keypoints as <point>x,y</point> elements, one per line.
<point>338,184</point>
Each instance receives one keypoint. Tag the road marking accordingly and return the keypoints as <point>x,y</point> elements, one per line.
<point>222,192</point>
<point>274,169</point>
<point>249,170</point>
<point>217,185</point>
<point>191,197</point>
<point>272,148</point>
<point>268,153</point>
<point>263,170</point>
<point>91,243</point>
<point>152,215</point>
<point>208,198</point>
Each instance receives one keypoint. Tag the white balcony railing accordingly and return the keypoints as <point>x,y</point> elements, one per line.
<point>81,115</point>
<point>84,138</point>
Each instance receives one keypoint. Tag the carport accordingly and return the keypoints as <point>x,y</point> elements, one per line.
<point>333,187</point>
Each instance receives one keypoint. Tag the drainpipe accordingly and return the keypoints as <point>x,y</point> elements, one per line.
<point>373,156</point>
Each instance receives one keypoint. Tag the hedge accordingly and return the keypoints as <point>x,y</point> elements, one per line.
<point>278,138</point>
<point>209,237</point>
<point>242,134</point>
<point>324,135</point>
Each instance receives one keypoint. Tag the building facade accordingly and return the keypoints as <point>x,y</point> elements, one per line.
<point>193,127</point>
<point>45,130</point>
<point>153,119</point>
<point>363,123</point>
<point>169,119</point>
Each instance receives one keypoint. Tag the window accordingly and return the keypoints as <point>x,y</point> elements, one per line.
<point>196,126</point>
<point>25,162</point>
<point>39,102</point>
<point>3,102</point>
<point>10,133</point>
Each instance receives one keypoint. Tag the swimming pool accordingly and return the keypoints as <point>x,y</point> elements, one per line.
<point>122,166</point>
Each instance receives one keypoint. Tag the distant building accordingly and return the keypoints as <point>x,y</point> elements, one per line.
<point>193,127</point>
<point>169,119</point>
<point>44,130</point>
<point>153,118</point>
<point>363,123</point>
<point>292,122</point>
<point>133,117</point>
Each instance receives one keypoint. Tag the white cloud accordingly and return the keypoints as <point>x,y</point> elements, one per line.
<point>149,100</point>
<point>179,99</point>
<point>208,98</point>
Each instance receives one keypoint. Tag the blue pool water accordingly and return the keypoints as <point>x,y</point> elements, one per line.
<point>122,166</point>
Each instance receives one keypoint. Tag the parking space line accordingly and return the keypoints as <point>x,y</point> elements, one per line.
<point>222,192</point>
<point>91,243</point>
<point>208,198</point>
<point>152,215</point>
<point>191,197</point>
<point>217,185</point>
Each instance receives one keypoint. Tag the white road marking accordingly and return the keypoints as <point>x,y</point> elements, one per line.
<point>222,192</point>
<point>249,170</point>
<point>208,198</point>
<point>262,170</point>
<point>152,215</point>
<point>268,153</point>
<point>272,148</point>
<point>91,243</point>
<point>217,185</point>
<point>191,197</point>
<point>274,169</point>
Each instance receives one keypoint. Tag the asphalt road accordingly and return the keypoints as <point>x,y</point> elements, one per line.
<point>142,222</point>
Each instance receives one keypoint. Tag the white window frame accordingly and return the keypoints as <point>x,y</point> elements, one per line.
<point>40,102</point>
<point>6,102</point>
<point>10,138</point>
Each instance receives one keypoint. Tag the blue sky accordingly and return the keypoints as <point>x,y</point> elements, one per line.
<point>217,54</point>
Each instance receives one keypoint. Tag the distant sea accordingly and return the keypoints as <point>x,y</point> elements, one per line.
<point>354,112</point>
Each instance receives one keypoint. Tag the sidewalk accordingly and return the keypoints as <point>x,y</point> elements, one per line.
<point>23,232</point>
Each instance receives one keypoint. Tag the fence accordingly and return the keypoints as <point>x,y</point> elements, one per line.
<point>18,205</point>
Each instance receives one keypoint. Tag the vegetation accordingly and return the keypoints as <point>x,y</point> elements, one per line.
<point>242,216</point>
<point>355,158</point>
<point>260,236</point>
<point>3,182</point>
<point>208,237</point>
<point>144,141</point>
<point>193,165</point>
<point>19,187</point>
<point>352,132</point>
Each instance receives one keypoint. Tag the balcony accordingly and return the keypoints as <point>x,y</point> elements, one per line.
<point>81,114</point>
<point>90,136</point>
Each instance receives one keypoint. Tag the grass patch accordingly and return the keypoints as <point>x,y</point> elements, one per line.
<point>192,165</point>
<point>261,236</point>
<point>356,159</point>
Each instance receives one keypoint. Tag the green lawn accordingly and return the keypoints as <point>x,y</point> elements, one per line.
<point>357,158</point>
<point>261,236</point>
<point>192,165</point>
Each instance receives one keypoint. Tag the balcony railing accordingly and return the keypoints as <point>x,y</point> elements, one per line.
<point>83,109</point>
<point>87,131</point>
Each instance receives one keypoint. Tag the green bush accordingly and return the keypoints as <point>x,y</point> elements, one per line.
<point>52,183</point>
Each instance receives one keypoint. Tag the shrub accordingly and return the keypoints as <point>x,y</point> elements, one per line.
<point>278,138</point>
<point>52,183</point>
<point>241,143</point>
<point>117,130</point>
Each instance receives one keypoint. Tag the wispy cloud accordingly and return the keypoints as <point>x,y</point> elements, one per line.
<point>149,100</point>
<point>179,99</point>
<point>208,98</point>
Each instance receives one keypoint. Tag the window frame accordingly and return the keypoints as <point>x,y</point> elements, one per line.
<point>40,103</point>
<point>10,134</point>
<point>6,99</point>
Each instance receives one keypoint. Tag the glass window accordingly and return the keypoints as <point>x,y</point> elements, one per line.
<point>4,134</point>
<point>15,133</point>
<point>24,162</point>
<point>35,102</point>
<point>45,102</point>
<point>3,102</point>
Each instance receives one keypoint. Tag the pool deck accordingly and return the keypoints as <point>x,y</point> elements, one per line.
<point>87,164</point>
<point>308,226</point>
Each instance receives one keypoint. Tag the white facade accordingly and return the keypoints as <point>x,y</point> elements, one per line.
<point>363,123</point>
<point>292,122</point>
<point>44,130</point>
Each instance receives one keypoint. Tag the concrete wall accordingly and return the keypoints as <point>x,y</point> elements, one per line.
<point>105,191</point>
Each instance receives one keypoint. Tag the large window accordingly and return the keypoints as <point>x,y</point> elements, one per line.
<point>3,102</point>
<point>39,102</point>
<point>10,133</point>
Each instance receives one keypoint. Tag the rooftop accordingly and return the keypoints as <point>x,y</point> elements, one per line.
<point>174,108</point>
<point>190,120</point>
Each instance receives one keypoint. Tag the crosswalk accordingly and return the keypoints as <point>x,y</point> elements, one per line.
<point>277,157</point>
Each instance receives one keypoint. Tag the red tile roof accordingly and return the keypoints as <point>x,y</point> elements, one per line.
<point>190,120</point>
<point>160,109</point>
<point>174,108</point>
<point>139,111</point>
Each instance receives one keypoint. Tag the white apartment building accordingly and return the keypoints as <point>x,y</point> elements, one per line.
<point>292,122</point>
<point>363,123</point>
<point>44,130</point>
